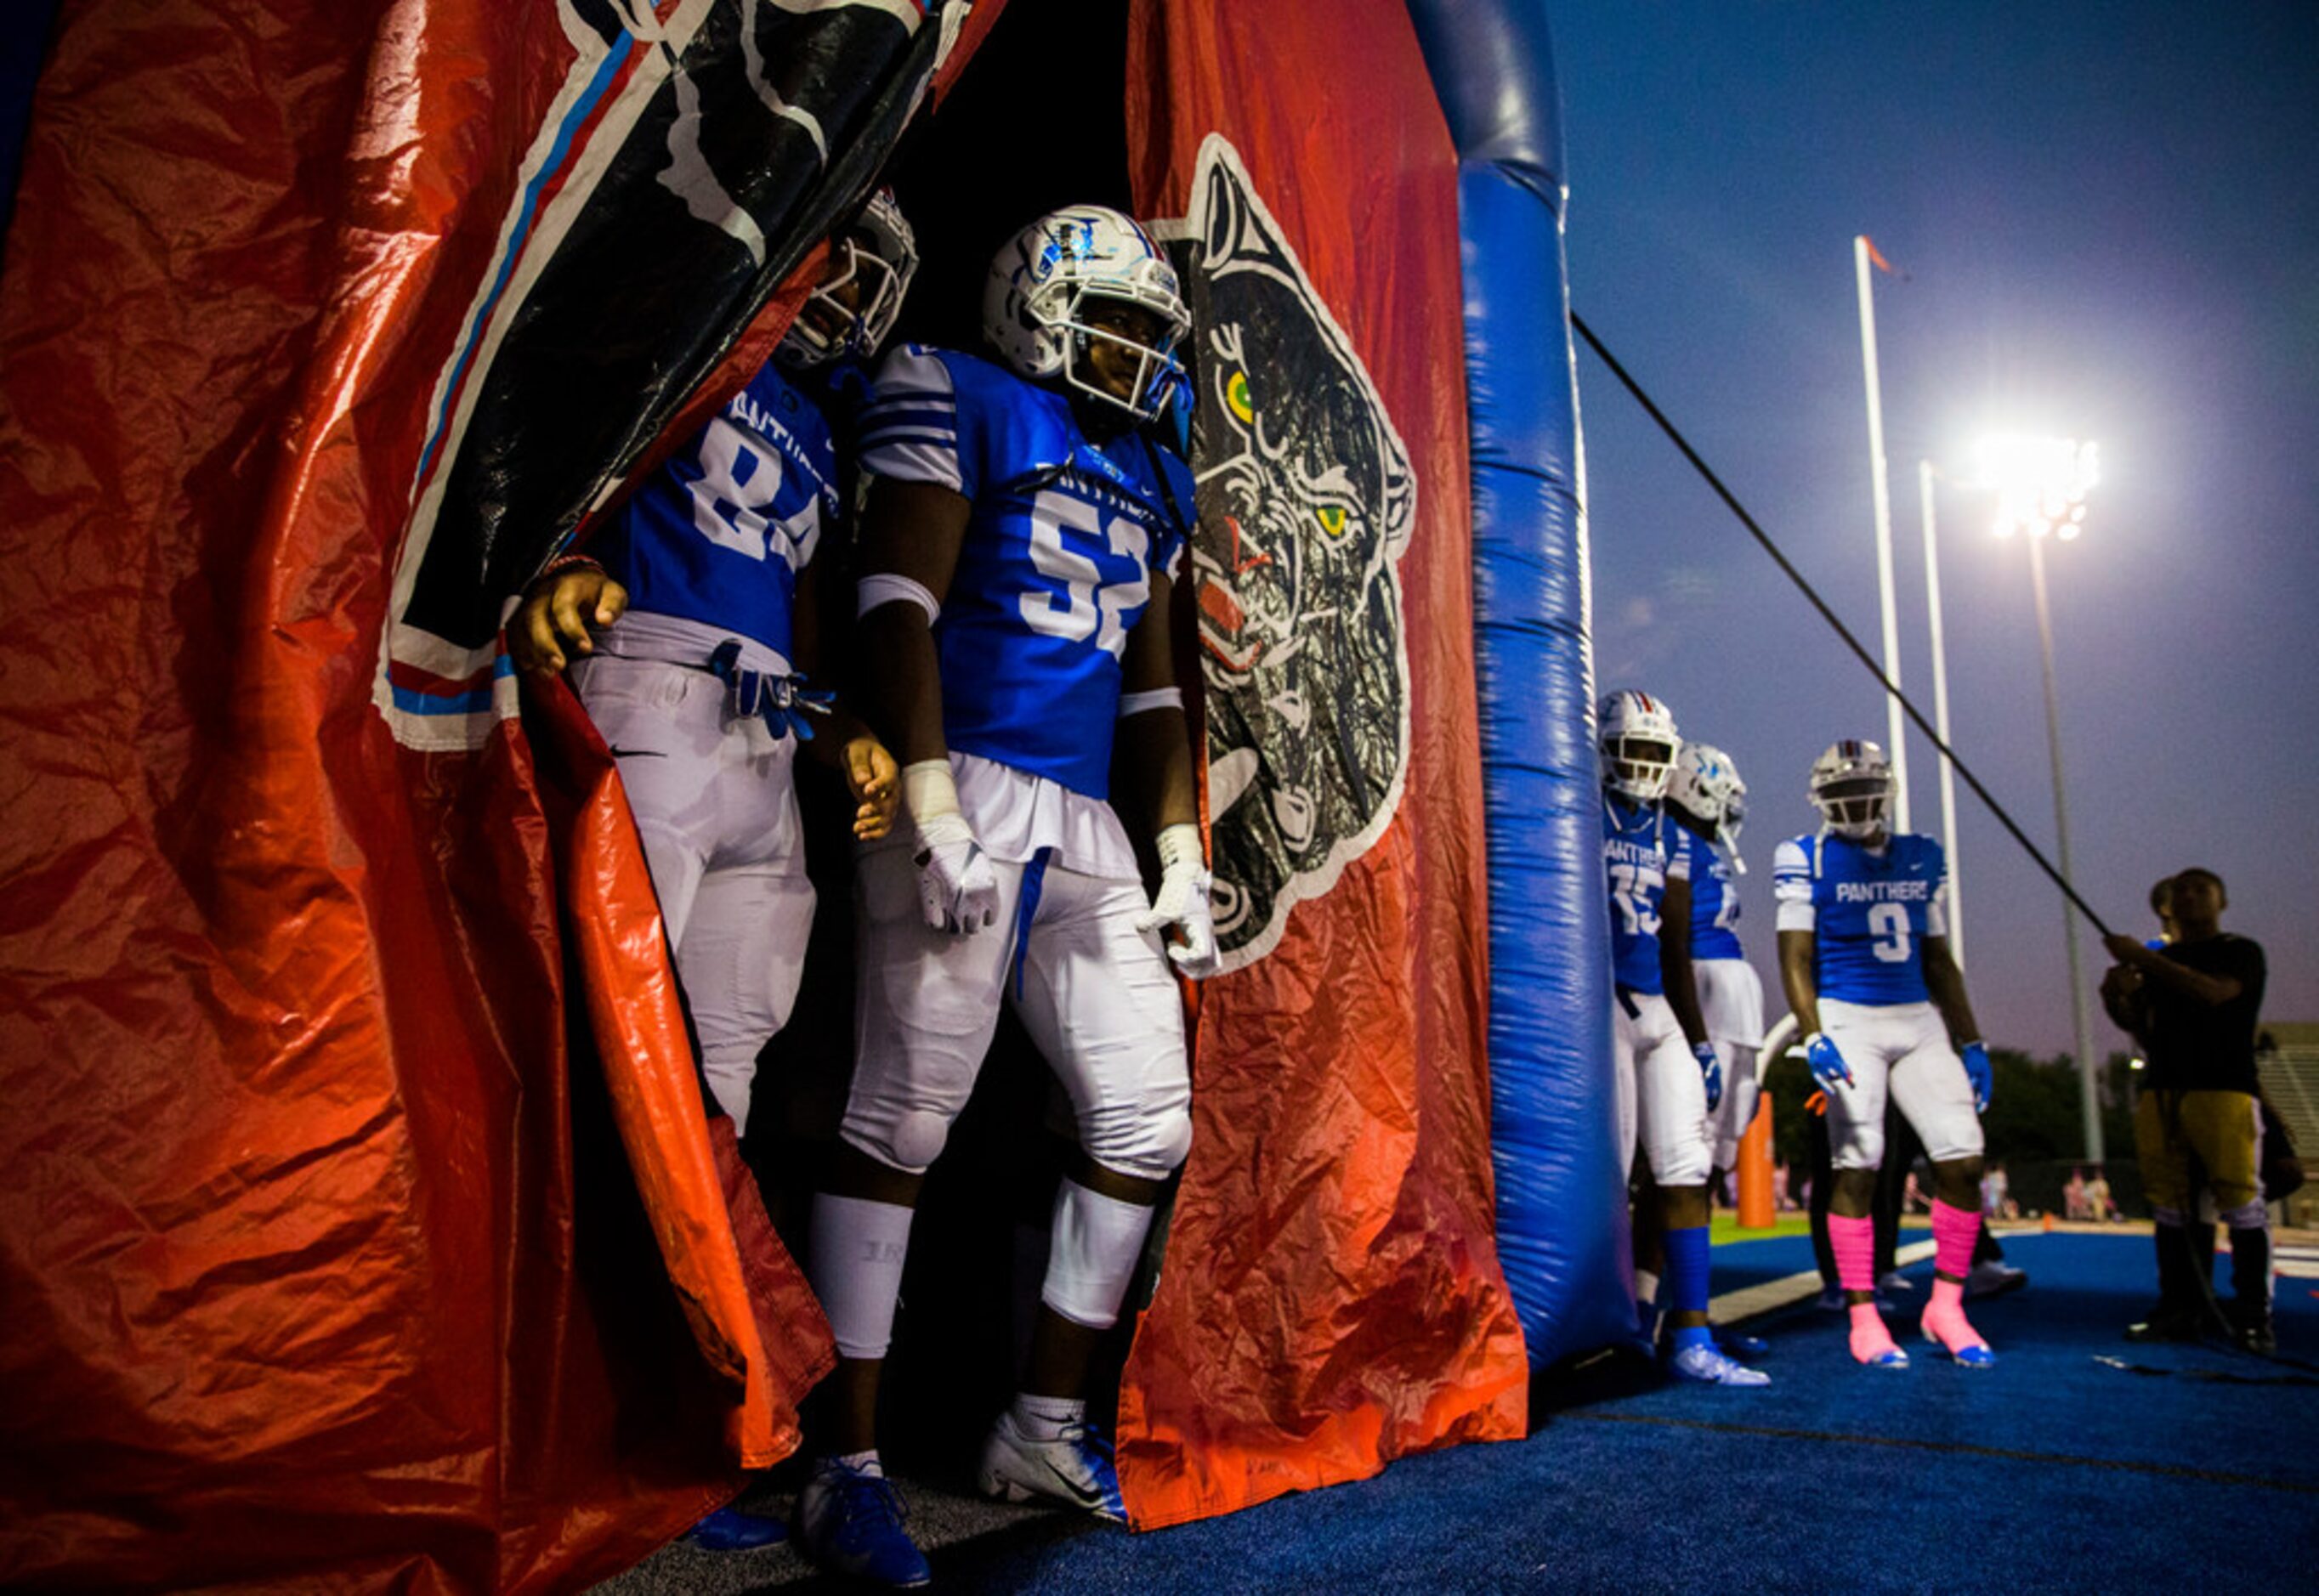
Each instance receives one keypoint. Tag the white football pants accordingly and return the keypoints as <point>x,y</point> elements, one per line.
<point>1099,998</point>
<point>1903,1049</point>
<point>1731,1002</point>
<point>1662,1097</point>
<point>715,808</point>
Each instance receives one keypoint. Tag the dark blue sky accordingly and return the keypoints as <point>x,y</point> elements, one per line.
<point>2109,217</point>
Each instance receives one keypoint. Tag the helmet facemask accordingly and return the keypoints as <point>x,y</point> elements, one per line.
<point>854,306</point>
<point>1158,374</point>
<point>1637,765</point>
<point>1854,806</point>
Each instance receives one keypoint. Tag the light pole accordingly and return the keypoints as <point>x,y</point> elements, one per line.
<point>2041,485</point>
<point>1925,475</point>
<point>1863,251</point>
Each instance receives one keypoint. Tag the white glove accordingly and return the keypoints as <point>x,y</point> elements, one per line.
<point>1182,903</point>
<point>958,891</point>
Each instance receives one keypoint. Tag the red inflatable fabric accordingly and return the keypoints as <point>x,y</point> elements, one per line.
<point>313,1272</point>
<point>1332,1297</point>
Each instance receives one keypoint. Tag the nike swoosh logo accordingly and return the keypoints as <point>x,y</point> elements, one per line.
<point>618,752</point>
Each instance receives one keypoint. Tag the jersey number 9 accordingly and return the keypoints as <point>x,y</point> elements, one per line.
<point>1889,923</point>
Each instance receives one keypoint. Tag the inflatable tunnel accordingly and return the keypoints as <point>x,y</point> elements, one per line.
<point>365,1221</point>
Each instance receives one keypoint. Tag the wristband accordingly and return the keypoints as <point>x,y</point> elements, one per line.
<point>570,561</point>
<point>1180,844</point>
<point>1158,698</point>
<point>928,790</point>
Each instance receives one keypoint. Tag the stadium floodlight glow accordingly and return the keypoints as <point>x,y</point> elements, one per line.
<point>2041,482</point>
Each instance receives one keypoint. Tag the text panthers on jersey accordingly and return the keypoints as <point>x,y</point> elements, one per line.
<point>1870,911</point>
<point>1057,563</point>
<point>1642,854</point>
<point>719,532</point>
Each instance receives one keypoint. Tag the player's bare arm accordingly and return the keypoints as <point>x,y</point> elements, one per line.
<point>1797,979</point>
<point>2213,990</point>
<point>1945,984</point>
<point>559,616</point>
<point>1155,744</point>
<point>1675,962</point>
<point>912,530</point>
<point>845,744</point>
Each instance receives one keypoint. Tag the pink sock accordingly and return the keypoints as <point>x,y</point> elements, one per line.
<point>1954,1232</point>
<point>1853,1242</point>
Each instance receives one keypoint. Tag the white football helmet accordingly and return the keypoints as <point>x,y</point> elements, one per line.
<point>1042,283</point>
<point>852,309</point>
<point>1852,787</point>
<point>1706,783</point>
<point>1638,739</point>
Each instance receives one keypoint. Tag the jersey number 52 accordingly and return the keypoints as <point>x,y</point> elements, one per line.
<point>1086,607</point>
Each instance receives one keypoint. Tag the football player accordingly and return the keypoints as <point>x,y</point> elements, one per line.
<point>1020,534</point>
<point>1709,800</point>
<point>1864,960</point>
<point>689,628</point>
<point>1668,1077</point>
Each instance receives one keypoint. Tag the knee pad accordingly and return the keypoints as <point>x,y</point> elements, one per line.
<point>1097,1240</point>
<point>910,1139</point>
<point>2251,1215</point>
<point>1147,1140</point>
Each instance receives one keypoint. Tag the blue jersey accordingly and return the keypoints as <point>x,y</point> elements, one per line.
<point>1714,901</point>
<point>719,534</point>
<point>1057,563</point>
<point>1869,911</point>
<point>1642,852</point>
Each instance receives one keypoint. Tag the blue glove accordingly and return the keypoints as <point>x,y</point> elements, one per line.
<point>1977,1070</point>
<point>1710,1068</point>
<point>1827,1064</point>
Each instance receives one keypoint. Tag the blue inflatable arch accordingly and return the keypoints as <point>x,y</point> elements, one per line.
<point>1562,1210</point>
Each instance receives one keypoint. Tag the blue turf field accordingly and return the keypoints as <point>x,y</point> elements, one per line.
<point>2052,1471</point>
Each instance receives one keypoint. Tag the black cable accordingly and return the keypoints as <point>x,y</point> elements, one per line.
<point>1830,616</point>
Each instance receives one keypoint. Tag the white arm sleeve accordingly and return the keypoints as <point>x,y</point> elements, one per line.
<point>1791,886</point>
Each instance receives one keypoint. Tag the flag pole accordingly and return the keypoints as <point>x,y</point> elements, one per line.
<point>1862,249</point>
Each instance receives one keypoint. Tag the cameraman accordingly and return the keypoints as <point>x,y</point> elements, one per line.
<point>2193,1002</point>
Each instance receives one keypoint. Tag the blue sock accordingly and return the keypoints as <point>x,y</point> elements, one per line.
<point>1692,1335</point>
<point>1686,1281</point>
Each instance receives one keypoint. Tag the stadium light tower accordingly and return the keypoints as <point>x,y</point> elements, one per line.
<point>2042,484</point>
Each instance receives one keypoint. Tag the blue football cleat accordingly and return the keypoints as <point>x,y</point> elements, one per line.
<point>1973,1355</point>
<point>729,1529</point>
<point>849,1521</point>
<point>1701,1362</point>
<point>1075,1468</point>
<point>1737,1343</point>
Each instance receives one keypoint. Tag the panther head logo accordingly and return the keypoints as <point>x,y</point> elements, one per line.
<point>1306,499</point>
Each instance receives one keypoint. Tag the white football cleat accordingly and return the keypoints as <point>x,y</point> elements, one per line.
<point>1707,1365</point>
<point>1074,1469</point>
